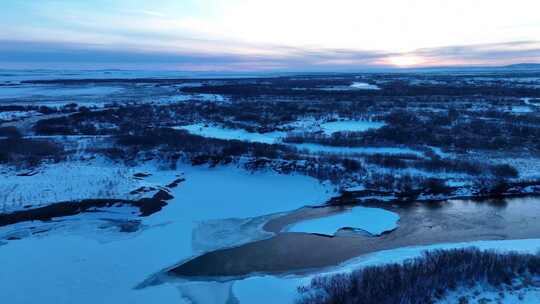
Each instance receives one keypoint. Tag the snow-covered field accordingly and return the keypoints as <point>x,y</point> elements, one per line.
<point>520,109</point>
<point>65,181</point>
<point>15,76</point>
<point>489,294</point>
<point>354,86</point>
<point>68,268</point>
<point>15,115</point>
<point>528,102</point>
<point>364,86</point>
<point>213,131</point>
<point>55,91</point>
<point>372,220</point>
<point>349,126</point>
<point>316,148</point>
<point>192,97</point>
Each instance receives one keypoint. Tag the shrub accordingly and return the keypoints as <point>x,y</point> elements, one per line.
<point>436,186</point>
<point>421,280</point>
<point>20,151</point>
<point>11,132</point>
<point>504,171</point>
<point>351,165</point>
<point>171,140</point>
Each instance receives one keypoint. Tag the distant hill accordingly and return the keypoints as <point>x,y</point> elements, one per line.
<point>523,66</point>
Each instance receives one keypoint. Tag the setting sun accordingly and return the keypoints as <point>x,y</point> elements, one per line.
<point>405,60</point>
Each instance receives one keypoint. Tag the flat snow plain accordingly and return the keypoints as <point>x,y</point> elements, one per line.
<point>62,267</point>
<point>24,91</point>
<point>215,131</point>
<point>228,134</point>
<point>65,181</point>
<point>350,126</point>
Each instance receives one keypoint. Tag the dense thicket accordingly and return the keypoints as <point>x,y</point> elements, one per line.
<point>171,140</point>
<point>450,129</point>
<point>421,280</point>
<point>28,152</point>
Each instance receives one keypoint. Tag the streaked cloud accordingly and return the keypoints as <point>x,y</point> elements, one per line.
<point>261,34</point>
<point>21,54</point>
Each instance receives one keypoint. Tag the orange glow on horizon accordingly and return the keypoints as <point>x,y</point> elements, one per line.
<point>405,60</point>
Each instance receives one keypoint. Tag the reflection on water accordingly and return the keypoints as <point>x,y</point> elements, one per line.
<point>509,207</point>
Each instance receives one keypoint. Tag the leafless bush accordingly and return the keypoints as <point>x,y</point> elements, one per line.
<point>29,152</point>
<point>11,132</point>
<point>421,280</point>
<point>504,171</point>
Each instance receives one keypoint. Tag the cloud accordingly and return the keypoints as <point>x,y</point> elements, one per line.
<point>150,13</point>
<point>242,34</point>
<point>252,57</point>
<point>56,55</point>
<point>493,53</point>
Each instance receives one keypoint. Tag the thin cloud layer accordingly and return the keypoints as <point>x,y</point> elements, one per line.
<point>23,54</point>
<point>267,35</point>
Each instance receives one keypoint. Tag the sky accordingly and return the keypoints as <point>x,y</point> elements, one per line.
<point>266,35</point>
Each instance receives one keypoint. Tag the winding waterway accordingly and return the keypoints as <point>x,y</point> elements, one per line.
<point>420,224</point>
